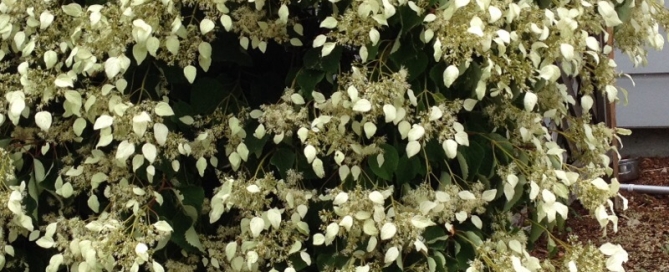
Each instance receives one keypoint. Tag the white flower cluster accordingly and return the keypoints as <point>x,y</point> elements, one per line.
<point>358,106</point>
<point>263,232</point>
<point>369,216</point>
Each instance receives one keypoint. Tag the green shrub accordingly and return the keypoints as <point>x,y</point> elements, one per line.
<point>307,135</point>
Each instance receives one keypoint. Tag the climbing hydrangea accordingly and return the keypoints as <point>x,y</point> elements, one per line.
<point>366,135</point>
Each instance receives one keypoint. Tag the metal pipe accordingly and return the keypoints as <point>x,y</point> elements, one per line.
<point>649,189</point>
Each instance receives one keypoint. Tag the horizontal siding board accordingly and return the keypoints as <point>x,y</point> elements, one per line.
<point>648,104</point>
<point>657,60</point>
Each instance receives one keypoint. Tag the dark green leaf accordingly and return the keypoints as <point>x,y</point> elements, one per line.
<point>206,94</point>
<point>503,148</point>
<point>255,145</point>
<point>313,61</point>
<point>283,159</point>
<point>291,75</point>
<point>413,258</point>
<point>465,254</point>
<point>331,62</point>
<point>438,245</point>
<point>436,75</point>
<point>173,74</point>
<point>435,153</point>
<point>404,55</point>
<point>5,142</point>
<point>180,223</point>
<point>297,262</point>
<point>193,196</point>
<point>169,207</point>
<point>340,261</point>
<point>487,163</point>
<point>391,159</point>
<point>560,222</point>
<point>182,108</point>
<point>308,79</point>
<point>535,232</point>
<point>409,18</point>
<point>405,170</point>
<point>420,165</point>
<point>165,166</point>
<point>470,79</point>
<point>323,261</point>
<point>435,233</point>
<point>484,180</point>
<point>543,3</point>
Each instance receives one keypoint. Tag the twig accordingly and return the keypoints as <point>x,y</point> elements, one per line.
<point>664,169</point>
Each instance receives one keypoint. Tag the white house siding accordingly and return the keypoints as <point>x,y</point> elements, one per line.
<point>648,105</point>
<point>648,101</point>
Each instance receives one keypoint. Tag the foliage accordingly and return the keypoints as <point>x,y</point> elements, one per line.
<point>307,135</point>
